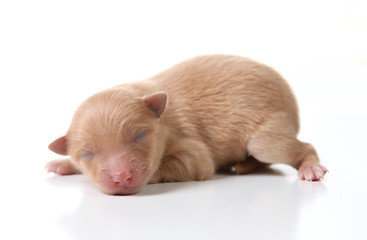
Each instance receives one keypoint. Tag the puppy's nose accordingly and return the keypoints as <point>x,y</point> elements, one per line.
<point>123,177</point>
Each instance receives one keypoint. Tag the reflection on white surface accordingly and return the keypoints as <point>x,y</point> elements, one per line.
<point>264,205</point>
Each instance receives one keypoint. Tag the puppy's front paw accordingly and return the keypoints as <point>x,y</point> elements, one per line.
<point>312,172</point>
<point>62,167</point>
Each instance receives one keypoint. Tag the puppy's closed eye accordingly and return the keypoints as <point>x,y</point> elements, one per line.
<point>140,135</point>
<point>86,155</point>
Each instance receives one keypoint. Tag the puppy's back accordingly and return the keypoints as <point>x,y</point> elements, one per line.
<point>223,100</point>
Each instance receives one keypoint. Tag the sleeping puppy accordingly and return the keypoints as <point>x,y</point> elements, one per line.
<point>205,114</point>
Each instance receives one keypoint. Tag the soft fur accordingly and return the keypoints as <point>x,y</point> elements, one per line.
<point>205,114</point>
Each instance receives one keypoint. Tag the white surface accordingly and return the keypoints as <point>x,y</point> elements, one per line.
<point>53,54</point>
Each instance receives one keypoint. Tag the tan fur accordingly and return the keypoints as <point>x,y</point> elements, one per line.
<point>220,110</point>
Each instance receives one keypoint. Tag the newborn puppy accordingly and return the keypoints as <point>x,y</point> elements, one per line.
<point>205,114</point>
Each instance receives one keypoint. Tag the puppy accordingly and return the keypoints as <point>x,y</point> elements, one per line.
<point>205,114</point>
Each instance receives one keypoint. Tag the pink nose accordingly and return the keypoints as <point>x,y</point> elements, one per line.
<point>123,177</point>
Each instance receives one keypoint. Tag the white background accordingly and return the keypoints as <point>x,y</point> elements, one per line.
<point>54,54</point>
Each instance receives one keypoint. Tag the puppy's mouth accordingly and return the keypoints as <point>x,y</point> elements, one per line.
<point>121,189</point>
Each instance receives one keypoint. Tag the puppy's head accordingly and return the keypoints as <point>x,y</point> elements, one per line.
<point>116,139</point>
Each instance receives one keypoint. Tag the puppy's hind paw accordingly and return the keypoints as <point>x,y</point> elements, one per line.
<point>313,172</point>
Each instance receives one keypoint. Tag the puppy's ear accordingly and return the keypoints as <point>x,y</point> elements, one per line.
<point>156,103</point>
<point>59,146</point>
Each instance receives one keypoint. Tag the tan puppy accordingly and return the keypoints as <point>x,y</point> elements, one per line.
<point>205,114</point>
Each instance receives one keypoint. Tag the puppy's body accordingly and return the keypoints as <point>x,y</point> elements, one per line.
<point>220,110</point>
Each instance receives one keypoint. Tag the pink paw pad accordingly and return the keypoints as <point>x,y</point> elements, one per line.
<point>61,167</point>
<point>312,172</point>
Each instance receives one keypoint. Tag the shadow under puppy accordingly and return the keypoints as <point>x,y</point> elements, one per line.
<point>202,115</point>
